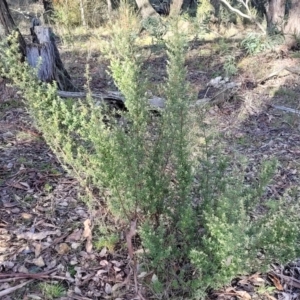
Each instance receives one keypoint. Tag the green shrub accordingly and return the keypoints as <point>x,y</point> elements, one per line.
<point>236,238</point>
<point>198,220</point>
<point>229,66</point>
<point>52,291</point>
<point>254,43</point>
<point>204,10</point>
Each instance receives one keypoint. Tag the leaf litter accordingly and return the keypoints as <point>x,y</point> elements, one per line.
<point>46,231</point>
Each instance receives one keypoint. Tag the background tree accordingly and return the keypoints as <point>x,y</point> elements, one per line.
<point>175,7</point>
<point>7,26</point>
<point>146,9</point>
<point>49,11</point>
<point>275,14</point>
<point>282,15</point>
<point>216,5</point>
<point>292,28</point>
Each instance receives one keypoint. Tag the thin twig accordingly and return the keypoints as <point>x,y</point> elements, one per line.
<point>27,275</point>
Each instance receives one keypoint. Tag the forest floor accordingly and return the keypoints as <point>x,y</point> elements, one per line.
<point>46,224</point>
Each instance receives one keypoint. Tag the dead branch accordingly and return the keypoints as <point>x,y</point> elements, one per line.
<point>269,76</point>
<point>275,73</point>
<point>240,13</point>
<point>155,103</point>
<point>218,98</point>
<point>107,96</point>
<point>112,97</point>
<point>288,109</point>
<point>7,277</point>
<point>14,288</point>
<point>27,275</point>
<point>43,53</point>
<point>293,70</point>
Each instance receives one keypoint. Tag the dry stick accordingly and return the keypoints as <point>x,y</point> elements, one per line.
<point>288,109</point>
<point>250,17</point>
<point>14,288</point>
<point>129,235</point>
<point>269,76</point>
<point>293,70</point>
<point>27,275</point>
<point>275,73</point>
<point>34,276</point>
<point>76,297</point>
<point>10,279</point>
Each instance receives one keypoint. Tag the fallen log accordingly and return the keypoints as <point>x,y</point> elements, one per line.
<point>112,97</point>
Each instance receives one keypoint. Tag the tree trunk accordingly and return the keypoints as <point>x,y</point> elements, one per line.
<point>51,67</point>
<point>216,5</point>
<point>275,15</point>
<point>7,26</point>
<point>49,11</point>
<point>260,6</point>
<point>175,7</point>
<point>190,6</point>
<point>146,9</point>
<point>109,8</point>
<point>292,28</point>
<point>82,13</point>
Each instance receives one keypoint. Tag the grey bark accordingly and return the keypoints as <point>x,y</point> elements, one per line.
<point>275,15</point>
<point>82,13</point>
<point>48,11</point>
<point>146,9</point>
<point>175,7</point>
<point>113,98</point>
<point>292,28</point>
<point>109,7</point>
<point>216,5</point>
<point>45,55</point>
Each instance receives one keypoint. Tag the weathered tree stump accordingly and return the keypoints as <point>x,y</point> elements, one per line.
<point>44,55</point>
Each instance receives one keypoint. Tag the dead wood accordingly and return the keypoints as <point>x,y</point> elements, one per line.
<point>275,73</point>
<point>111,97</point>
<point>7,277</point>
<point>287,279</point>
<point>288,109</point>
<point>220,97</point>
<point>44,55</point>
<point>14,288</point>
<point>116,99</point>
